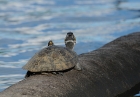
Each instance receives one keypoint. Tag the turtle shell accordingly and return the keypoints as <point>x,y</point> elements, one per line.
<point>52,58</point>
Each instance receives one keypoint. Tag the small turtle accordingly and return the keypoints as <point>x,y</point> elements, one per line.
<point>50,43</point>
<point>53,59</point>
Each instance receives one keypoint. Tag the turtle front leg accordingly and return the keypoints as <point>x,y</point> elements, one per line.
<point>28,74</point>
<point>78,67</point>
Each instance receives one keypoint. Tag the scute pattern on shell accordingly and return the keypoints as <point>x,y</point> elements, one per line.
<point>52,58</point>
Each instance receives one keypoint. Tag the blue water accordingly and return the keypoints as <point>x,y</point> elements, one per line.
<point>27,25</point>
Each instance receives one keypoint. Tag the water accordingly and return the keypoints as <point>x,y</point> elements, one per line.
<point>27,25</point>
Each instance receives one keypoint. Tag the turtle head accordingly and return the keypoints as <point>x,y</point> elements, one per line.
<point>50,43</point>
<point>70,40</point>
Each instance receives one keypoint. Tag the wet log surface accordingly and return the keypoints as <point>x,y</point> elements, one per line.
<point>110,71</point>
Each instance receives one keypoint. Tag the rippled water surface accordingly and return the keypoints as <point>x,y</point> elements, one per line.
<point>27,25</point>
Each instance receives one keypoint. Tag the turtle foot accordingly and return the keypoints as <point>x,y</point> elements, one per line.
<point>78,67</point>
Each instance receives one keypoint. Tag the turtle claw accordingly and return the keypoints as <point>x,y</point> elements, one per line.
<point>78,67</point>
<point>60,73</point>
<point>55,73</point>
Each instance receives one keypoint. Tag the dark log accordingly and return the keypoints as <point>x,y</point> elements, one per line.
<point>111,71</point>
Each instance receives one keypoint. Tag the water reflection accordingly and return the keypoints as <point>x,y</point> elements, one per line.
<point>27,25</point>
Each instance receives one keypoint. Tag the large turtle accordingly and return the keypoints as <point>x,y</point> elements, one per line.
<point>54,59</point>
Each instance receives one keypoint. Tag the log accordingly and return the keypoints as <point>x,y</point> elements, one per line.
<point>110,71</point>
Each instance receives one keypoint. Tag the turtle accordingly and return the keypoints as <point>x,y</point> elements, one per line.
<point>53,59</point>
